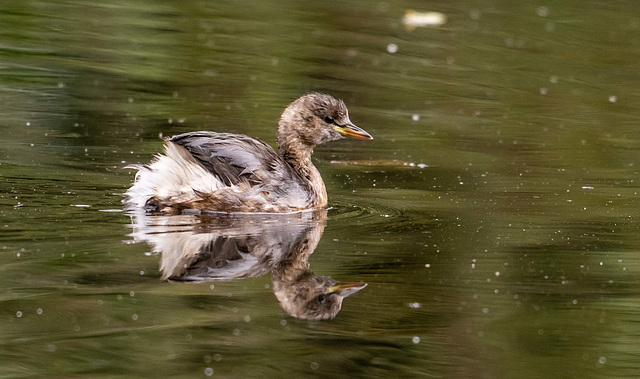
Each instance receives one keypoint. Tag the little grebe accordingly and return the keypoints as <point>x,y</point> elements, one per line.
<point>234,173</point>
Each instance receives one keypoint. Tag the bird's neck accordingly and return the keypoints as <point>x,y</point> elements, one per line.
<point>298,156</point>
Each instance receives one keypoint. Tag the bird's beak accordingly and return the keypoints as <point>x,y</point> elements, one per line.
<point>347,288</point>
<point>350,130</point>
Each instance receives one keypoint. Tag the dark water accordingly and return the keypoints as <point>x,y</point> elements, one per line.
<point>494,217</point>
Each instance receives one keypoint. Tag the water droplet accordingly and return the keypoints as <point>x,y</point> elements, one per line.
<point>134,317</point>
<point>18,314</point>
<point>392,48</point>
<point>415,117</point>
<point>208,371</point>
<point>415,339</point>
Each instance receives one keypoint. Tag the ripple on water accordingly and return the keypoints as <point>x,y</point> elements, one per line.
<point>373,218</point>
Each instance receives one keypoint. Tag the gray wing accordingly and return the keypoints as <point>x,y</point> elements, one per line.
<point>235,158</point>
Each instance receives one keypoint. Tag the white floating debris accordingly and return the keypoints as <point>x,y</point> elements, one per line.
<point>613,98</point>
<point>543,11</point>
<point>81,205</point>
<point>415,305</point>
<point>415,339</point>
<point>415,117</point>
<point>413,19</point>
<point>392,48</point>
<point>587,187</point>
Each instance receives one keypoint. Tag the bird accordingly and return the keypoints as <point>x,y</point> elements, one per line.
<point>229,173</point>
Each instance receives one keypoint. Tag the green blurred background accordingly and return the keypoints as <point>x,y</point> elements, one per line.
<point>494,216</point>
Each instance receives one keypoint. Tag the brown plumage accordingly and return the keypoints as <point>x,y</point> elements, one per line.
<point>235,173</point>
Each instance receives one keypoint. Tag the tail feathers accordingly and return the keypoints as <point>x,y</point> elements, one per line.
<point>171,179</point>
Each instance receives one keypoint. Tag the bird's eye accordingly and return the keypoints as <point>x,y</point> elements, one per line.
<point>323,298</point>
<point>329,120</point>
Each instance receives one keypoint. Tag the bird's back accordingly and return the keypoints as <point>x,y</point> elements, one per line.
<point>219,172</point>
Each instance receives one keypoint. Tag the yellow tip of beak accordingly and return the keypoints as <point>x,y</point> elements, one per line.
<point>348,288</point>
<point>353,131</point>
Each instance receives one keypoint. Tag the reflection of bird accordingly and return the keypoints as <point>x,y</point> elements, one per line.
<point>235,173</point>
<point>308,296</point>
<point>228,247</point>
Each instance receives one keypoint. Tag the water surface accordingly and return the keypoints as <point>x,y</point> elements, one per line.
<point>494,215</point>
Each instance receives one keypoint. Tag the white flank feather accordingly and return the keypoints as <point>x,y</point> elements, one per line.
<point>174,177</point>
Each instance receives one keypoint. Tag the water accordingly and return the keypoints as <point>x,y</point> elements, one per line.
<point>494,216</point>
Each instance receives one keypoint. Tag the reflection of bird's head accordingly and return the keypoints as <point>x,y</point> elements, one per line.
<point>312,297</point>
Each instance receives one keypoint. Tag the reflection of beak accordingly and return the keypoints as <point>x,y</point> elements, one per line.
<point>347,288</point>
<point>350,130</point>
